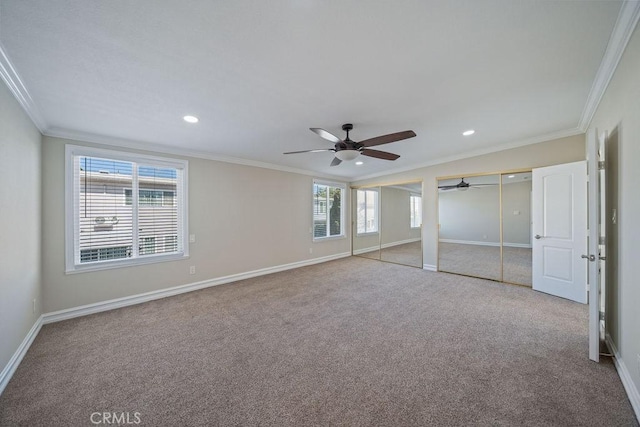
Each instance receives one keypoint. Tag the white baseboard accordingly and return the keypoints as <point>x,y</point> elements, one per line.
<point>430,267</point>
<point>17,357</point>
<point>625,377</point>
<point>483,243</point>
<point>365,250</point>
<point>400,242</point>
<point>385,246</point>
<point>98,307</point>
<point>470,242</point>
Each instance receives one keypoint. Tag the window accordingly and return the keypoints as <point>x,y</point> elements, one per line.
<point>150,197</point>
<point>416,211</point>
<point>123,209</point>
<point>366,211</point>
<point>328,211</point>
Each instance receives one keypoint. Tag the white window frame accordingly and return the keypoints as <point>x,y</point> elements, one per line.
<point>411,206</point>
<point>376,210</point>
<point>73,265</point>
<point>343,196</point>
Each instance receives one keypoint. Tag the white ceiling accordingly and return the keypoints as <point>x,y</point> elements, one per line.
<point>259,73</point>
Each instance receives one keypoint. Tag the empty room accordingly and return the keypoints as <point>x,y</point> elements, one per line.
<point>297,213</point>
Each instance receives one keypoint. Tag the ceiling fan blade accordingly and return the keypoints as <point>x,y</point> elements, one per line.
<point>379,154</point>
<point>319,150</point>
<point>336,161</point>
<point>385,139</point>
<point>447,187</point>
<point>326,135</point>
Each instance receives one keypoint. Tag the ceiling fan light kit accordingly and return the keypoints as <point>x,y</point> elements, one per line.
<point>347,149</point>
<point>346,155</point>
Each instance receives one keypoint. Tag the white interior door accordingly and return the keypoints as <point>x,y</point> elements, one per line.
<point>559,213</point>
<point>596,254</point>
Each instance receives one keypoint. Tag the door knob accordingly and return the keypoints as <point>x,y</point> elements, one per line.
<point>589,257</point>
<point>537,236</point>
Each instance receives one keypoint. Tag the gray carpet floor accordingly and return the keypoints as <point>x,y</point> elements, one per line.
<point>484,261</point>
<point>406,254</point>
<point>351,342</point>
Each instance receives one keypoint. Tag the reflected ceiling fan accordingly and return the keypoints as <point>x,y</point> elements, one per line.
<point>348,149</point>
<point>462,186</point>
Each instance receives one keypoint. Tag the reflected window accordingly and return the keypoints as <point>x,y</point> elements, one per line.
<point>367,211</point>
<point>416,211</point>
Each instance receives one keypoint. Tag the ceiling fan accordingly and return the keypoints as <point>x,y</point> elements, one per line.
<point>348,149</point>
<point>462,186</point>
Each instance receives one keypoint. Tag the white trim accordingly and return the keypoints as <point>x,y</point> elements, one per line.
<point>474,153</point>
<point>72,264</point>
<point>473,242</point>
<point>400,242</point>
<point>98,307</point>
<point>385,246</point>
<point>517,245</point>
<point>469,242</point>
<point>620,36</point>
<point>625,377</point>
<point>429,267</point>
<point>365,250</point>
<point>19,90</point>
<point>80,137</point>
<point>10,369</point>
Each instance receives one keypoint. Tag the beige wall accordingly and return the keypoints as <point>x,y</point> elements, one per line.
<point>472,215</point>
<point>619,114</point>
<point>244,218</point>
<point>516,197</point>
<point>548,153</point>
<point>20,215</point>
<point>395,216</point>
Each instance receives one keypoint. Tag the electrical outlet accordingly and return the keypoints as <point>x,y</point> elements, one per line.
<point>192,238</point>
<point>192,269</point>
<point>310,250</point>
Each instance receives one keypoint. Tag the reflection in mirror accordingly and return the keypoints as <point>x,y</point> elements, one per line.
<point>469,221</point>
<point>516,228</point>
<point>401,218</point>
<point>366,229</point>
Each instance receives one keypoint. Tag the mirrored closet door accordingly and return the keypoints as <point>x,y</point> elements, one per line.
<point>485,226</point>
<point>469,216</point>
<point>387,223</point>
<point>516,228</point>
<point>366,222</point>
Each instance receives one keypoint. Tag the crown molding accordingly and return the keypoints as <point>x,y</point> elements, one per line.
<point>474,153</point>
<point>19,90</point>
<point>622,31</point>
<point>78,136</point>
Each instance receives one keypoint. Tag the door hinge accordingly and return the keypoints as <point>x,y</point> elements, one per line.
<point>602,315</point>
<point>601,165</point>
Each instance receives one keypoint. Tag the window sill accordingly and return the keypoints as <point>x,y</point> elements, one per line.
<point>371,233</point>
<point>323,239</point>
<point>108,265</point>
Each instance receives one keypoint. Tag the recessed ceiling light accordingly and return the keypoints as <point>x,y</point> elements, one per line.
<point>468,132</point>
<point>511,176</point>
<point>190,119</point>
<point>359,163</point>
